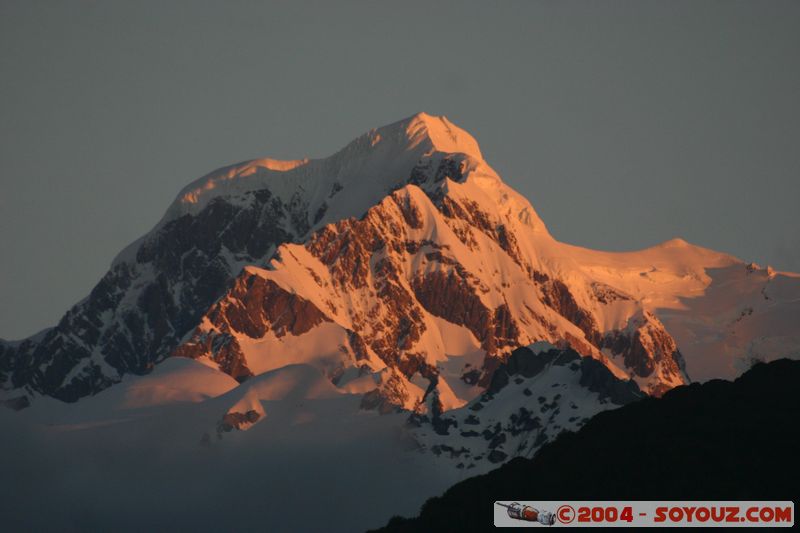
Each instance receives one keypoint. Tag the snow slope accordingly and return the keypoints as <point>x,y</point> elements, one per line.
<point>312,461</point>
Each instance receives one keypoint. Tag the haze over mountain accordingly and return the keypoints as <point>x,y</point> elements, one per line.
<point>377,295</point>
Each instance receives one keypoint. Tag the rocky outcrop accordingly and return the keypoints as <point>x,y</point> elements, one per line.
<point>390,396</point>
<point>221,347</point>
<point>557,295</point>
<point>596,377</point>
<point>524,362</point>
<point>466,216</point>
<point>239,421</point>
<point>533,396</point>
<point>452,296</point>
<point>253,307</point>
<point>151,297</point>
<point>18,403</point>
<point>647,348</point>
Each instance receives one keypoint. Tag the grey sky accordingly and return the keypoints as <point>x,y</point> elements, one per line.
<point>624,123</point>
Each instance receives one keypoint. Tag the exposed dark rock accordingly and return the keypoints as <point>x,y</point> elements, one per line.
<point>496,456</point>
<point>452,295</point>
<point>335,189</point>
<point>497,440</point>
<point>471,377</point>
<point>472,420</point>
<point>320,212</point>
<point>176,273</point>
<point>18,403</point>
<point>389,397</point>
<point>523,421</point>
<point>526,363</point>
<point>558,296</point>
<point>236,420</point>
<point>646,345</point>
<point>222,348</point>
<point>449,167</point>
<point>439,449</point>
<point>357,345</point>
<point>255,306</point>
<point>598,378</point>
<point>606,294</point>
<point>491,433</point>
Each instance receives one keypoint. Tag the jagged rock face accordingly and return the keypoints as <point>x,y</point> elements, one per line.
<point>646,347</point>
<point>390,396</point>
<point>253,306</point>
<point>238,421</point>
<point>532,397</point>
<point>140,309</point>
<point>385,278</point>
<point>388,303</point>
<point>594,376</point>
<point>557,295</point>
<point>449,295</point>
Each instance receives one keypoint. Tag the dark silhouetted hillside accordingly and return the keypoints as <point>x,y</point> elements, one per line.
<point>718,440</point>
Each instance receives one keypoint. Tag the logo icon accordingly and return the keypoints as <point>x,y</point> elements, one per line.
<point>527,513</point>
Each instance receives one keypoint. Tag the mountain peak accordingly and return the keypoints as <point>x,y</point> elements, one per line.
<point>437,132</point>
<point>374,160</point>
<point>675,242</point>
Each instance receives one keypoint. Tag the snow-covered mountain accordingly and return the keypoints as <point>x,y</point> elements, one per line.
<point>399,265</point>
<point>397,302</point>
